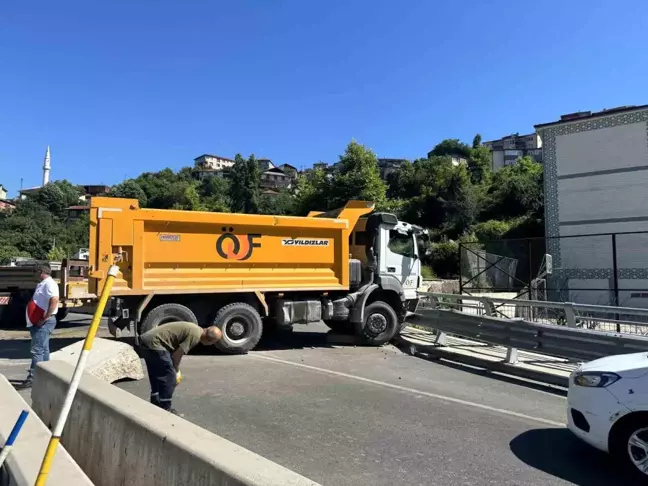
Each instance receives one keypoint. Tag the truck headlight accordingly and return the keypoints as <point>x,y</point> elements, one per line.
<point>595,379</point>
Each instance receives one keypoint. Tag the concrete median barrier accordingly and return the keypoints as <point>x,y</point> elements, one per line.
<point>109,361</point>
<point>22,465</point>
<point>119,439</point>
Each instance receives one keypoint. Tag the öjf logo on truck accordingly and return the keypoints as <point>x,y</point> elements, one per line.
<point>233,247</point>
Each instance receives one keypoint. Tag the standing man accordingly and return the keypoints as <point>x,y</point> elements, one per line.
<point>162,349</point>
<point>41,318</point>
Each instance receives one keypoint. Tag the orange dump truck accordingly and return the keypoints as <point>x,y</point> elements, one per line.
<point>354,269</point>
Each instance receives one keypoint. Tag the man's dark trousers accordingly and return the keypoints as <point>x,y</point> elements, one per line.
<point>162,376</point>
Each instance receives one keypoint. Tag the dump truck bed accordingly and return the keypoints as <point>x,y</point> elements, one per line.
<point>172,251</point>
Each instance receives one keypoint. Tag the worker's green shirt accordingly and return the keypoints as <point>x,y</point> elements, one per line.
<point>184,335</point>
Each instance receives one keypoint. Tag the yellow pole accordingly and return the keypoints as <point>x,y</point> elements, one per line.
<point>76,379</point>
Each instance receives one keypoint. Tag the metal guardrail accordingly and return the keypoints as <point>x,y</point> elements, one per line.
<point>568,330</point>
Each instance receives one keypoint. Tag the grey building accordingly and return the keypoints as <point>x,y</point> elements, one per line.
<point>596,181</point>
<point>387,166</point>
<point>275,178</point>
<point>506,150</point>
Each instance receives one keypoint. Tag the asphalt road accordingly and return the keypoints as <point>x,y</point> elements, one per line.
<point>15,343</point>
<point>345,415</point>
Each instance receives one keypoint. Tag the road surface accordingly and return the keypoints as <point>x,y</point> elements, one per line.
<point>345,415</point>
<point>15,343</point>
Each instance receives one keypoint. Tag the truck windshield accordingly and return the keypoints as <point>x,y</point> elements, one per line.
<point>401,244</point>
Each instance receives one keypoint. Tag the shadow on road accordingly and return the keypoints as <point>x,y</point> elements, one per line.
<point>488,373</point>
<point>19,348</point>
<point>559,453</point>
<point>295,339</point>
<point>69,323</point>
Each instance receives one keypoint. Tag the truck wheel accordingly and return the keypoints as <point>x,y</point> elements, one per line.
<point>241,326</point>
<point>166,313</point>
<point>61,314</point>
<point>380,324</point>
<point>340,327</point>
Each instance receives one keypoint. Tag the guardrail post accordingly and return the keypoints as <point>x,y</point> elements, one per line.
<point>441,338</point>
<point>434,302</point>
<point>570,314</point>
<point>489,307</point>
<point>511,355</point>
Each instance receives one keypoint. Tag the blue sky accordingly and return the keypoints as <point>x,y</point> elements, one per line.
<point>122,87</point>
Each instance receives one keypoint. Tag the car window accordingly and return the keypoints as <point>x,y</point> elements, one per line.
<point>401,244</point>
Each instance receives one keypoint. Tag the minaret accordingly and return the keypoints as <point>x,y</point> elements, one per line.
<point>46,167</point>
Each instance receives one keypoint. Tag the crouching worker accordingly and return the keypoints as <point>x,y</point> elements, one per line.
<point>162,349</point>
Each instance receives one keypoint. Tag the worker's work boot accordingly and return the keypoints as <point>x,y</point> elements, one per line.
<point>175,412</point>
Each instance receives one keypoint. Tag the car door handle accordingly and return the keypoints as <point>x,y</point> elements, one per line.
<point>391,269</point>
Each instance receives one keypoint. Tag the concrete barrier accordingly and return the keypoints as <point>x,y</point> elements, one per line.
<point>22,465</point>
<point>119,439</point>
<point>109,361</point>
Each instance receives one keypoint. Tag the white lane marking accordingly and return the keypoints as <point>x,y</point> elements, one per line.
<point>445,398</point>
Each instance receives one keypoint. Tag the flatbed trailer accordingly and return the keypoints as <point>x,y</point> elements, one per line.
<point>17,284</point>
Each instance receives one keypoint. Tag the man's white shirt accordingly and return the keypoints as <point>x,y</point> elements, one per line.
<point>45,290</point>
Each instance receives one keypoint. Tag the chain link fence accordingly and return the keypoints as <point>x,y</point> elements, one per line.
<point>603,269</point>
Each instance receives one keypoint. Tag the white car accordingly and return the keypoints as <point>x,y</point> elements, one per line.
<point>608,408</point>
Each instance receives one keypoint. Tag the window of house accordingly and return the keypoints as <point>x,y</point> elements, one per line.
<point>401,244</point>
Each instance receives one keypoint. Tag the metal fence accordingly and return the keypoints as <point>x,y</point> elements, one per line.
<point>602,269</point>
<point>623,320</point>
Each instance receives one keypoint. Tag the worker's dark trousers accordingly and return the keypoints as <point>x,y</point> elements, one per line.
<point>162,376</point>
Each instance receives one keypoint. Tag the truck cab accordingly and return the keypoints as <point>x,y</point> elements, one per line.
<point>398,259</point>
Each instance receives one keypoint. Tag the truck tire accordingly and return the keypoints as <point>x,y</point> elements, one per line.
<point>241,326</point>
<point>166,313</point>
<point>380,324</point>
<point>61,314</point>
<point>340,327</point>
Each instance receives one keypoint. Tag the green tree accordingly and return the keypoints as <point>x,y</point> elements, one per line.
<point>517,190</point>
<point>214,193</point>
<point>280,204</point>
<point>477,140</point>
<point>160,188</point>
<point>313,192</point>
<point>450,146</point>
<point>8,252</point>
<point>358,177</point>
<point>57,196</point>
<point>129,189</point>
<point>244,185</point>
<point>57,254</point>
<point>480,165</point>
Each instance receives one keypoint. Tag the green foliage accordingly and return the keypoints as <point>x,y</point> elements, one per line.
<point>450,146</point>
<point>358,177</point>
<point>244,186</point>
<point>57,254</point>
<point>55,197</point>
<point>214,194</point>
<point>313,189</point>
<point>516,190</point>
<point>129,189</point>
<point>491,230</point>
<point>444,258</point>
<point>8,252</point>
<point>427,272</point>
<point>281,204</point>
